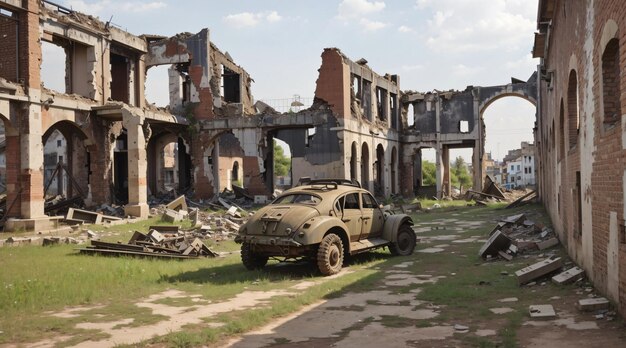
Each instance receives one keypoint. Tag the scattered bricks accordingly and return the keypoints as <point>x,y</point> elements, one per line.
<point>538,269</point>
<point>593,304</point>
<point>497,242</point>
<point>178,204</point>
<point>569,276</point>
<point>546,244</point>
<point>171,216</point>
<point>541,312</point>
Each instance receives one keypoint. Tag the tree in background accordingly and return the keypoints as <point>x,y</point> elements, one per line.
<point>282,164</point>
<point>459,175</point>
<point>429,173</point>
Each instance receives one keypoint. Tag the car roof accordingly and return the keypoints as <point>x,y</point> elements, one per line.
<point>324,190</point>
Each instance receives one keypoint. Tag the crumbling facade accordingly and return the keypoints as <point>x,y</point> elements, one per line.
<point>120,149</point>
<point>580,134</point>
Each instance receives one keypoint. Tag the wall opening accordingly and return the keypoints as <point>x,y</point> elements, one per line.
<point>393,108</point>
<point>227,151</point>
<point>379,171</point>
<point>464,126</point>
<point>381,103</point>
<point>282,164</point>
<point>157,85</point>
<point>562,136</point>
<point>9,59</point>
<point>573,109</point>
<point>611,83</point>
<point>366,102</point>
<point>54,71</point>
<point>394,170</point>
<point>353,162</point>
<point>54,157</point>
<point>410,116</point>
<point>509,124</point>
<point>120,169</point>
<point>120,78</point>
<point>425,173</point>
<point>231,86</point>
<point>365,166</point>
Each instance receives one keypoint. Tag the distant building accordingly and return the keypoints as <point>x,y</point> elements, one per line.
<point>519,167</point>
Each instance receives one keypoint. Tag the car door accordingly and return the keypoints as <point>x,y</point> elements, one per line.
<point>351,214</point>
<point>373,221</point>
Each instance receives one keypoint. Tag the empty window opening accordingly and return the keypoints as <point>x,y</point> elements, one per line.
<point>410,116</point>
<point>379,171</point>
<point>6,12</point>
<point>381,103</point>
<point>356,87</point>
<point>579,205</point>
<point>393,109</point>
<point>120,169</point>
<point>611,83</point>
<point>572,109</point>
<point>394,170</point>
<point>120,78</point>
<point>308,136</point>
<point>231,86</point>
<point>562,136</point>
<point>464,127</point>
<point>353,162</point>
<point>54,72</point>
<point>367,99</point>
<point>157,85</point>
<point>234,174</point>
<point>365,166</point>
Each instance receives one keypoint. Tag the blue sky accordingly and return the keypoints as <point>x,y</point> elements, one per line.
<point>431,44</point>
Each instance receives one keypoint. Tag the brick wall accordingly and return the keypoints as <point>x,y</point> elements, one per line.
<point>596,151</point>
<point>8,47</point>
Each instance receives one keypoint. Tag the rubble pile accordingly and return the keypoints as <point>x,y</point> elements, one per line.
<point>517,234</point>
<point>161,241</point>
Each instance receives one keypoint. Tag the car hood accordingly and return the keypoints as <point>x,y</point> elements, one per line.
<point>279,220</point>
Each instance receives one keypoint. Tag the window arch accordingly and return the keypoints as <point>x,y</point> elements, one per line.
<point>573,107</point>
<point>611,83</point>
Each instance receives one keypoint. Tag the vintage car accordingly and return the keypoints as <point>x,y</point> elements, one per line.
<point>324,221</point>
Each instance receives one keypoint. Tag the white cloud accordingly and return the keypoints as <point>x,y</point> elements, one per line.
<point>358,8</point>
<point>96,7</point>
<point>473,25</point>
<point>462,70</point>
<point>369,25</point>
<point>414,67</point>
<point>405,29</point>
<point>249,19</point>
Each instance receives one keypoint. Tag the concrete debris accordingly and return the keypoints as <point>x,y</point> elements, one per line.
<point>178,245</point>
<point>178,204</point>
<point>524,235</point>
<point>538,270</point>
<point>171,216</point>
<point>570,276</point>
<point>593,304</point>
<point>85,216</point>
<point>542,312</point>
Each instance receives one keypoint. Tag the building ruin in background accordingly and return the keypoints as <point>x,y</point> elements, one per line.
<point>117,148</point>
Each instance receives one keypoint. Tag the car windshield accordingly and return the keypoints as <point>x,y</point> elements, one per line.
<point>301,198</point>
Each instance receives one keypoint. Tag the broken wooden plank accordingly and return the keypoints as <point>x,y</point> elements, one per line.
<point>538,270</point>
<point>519,201</point>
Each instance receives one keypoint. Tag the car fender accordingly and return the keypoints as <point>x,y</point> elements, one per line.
<point>317,228</point>
<point>392,224</point>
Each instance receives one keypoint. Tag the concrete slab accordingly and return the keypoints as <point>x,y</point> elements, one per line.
<point>569,276</point>
<point>497,242</point>
<point>593,304</point>
<point>546,244</point>
<point>538,269</point>
<point>541,312</point>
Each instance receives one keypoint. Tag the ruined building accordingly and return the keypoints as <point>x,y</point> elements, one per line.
<point>580,135</point>
<point>116,148</point>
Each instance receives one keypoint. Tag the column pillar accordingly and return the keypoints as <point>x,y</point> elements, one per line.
<point>445,158</point>
<point>439,172</point>
<point>137,165</point>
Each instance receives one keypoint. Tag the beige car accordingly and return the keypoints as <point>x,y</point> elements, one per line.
<point>324,221</point>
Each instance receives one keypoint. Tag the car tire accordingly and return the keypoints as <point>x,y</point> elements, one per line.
<point>250,259</point>
<point>330,255</point>
<point>405,241</point>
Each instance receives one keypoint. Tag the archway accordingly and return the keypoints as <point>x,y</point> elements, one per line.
<point>353,161</point>
<point>379,171</point>
<point>365,166</point>
<point>394,170</point>
<point>169,163</point>
<point>120,168</point>
<point>282,164</point>
<point>509,152</point>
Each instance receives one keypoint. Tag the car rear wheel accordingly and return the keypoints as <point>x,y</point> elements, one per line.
<point>330,255</point>
<point>405,242</point>
<point>251,259</point>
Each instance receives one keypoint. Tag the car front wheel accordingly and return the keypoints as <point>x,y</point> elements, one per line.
<point>251,259</point>
<point>405,242</point>
<point>330,255</point>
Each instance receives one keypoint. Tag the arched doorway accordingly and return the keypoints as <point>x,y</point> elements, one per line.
<point>353,161</point>
<point>365,166</point>
<point>379,187</point>
<point>169,163</point>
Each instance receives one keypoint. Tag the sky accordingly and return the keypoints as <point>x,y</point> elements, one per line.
<point>430,44</point>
